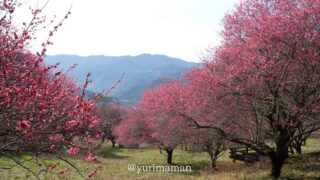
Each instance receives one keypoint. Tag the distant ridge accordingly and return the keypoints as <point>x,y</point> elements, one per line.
<point>141,72</point>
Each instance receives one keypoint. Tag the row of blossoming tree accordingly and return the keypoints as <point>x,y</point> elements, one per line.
<point>261,85</point>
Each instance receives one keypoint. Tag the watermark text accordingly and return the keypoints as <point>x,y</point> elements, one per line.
<point>158,168</point>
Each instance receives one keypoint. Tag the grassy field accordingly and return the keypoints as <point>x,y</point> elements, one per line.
<point>115,163</point>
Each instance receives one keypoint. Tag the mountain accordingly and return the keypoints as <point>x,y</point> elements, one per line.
<point>140,72</point>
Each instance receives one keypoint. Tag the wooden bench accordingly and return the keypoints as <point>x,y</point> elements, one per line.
<point>244,154</point>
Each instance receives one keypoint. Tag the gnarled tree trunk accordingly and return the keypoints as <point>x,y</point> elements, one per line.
<point>213,160</point>
<point>279,156</point>
<point>169,157</point>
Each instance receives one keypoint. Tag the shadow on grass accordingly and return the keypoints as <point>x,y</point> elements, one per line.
<point>111,152</point>
<point>311,162</point>
<point>201,167</point>
<point>290,178</point>
<point>13,154</point>
<point>196,167</point>
<point>311,168</point>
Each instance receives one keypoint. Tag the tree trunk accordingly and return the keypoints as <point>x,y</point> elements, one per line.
<point>304,142</point>
<point>279,156</point>
<point>298,148</point>
<point>214,153</point>
<point>213,163</point>
<point>277,164</point>
<point>291,148</point>
<point>113,143</point>
<point>169,157</point>
<point>213,160</point>
<point>186,147</point>
<point>104,137</point>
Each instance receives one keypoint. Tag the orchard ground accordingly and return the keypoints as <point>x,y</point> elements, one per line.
<point>115,163</point>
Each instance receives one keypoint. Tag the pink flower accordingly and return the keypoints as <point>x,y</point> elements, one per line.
<point>70,124</point>
<point>90,141</point>
<point>91,158</point>
<point>74,150</point>
<point>55,138</point>
<point>24,125</point>
<point>92,174</point>
<point>52,147</point>
<point>65,171</point>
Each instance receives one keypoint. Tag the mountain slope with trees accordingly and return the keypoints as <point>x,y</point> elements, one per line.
<point>140,72</point>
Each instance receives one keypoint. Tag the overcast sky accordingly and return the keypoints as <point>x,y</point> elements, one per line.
<point>177,28</point>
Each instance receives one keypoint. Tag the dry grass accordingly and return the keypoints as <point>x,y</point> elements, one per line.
<point>115,162</point>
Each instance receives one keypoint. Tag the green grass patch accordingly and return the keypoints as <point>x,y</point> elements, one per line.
<point>115,163</point>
